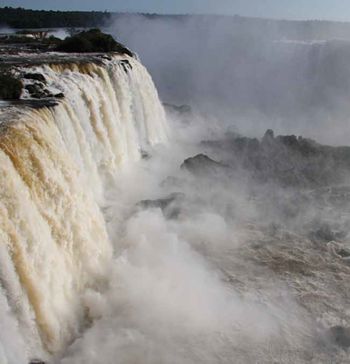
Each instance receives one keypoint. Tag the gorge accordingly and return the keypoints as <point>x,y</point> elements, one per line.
<point>136,231</point>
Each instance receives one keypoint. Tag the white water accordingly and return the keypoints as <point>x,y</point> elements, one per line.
<point>88,277</point>
<point>55,164</point>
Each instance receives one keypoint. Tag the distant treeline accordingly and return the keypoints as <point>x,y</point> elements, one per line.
<point>267,28</point>
<point>23,18</point>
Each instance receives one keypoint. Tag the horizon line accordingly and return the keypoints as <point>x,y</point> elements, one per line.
<point>185,14</point>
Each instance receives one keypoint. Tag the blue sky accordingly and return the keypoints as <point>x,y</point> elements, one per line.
<point>291,9</point>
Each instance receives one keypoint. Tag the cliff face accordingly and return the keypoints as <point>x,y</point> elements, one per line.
<point>94,113</point>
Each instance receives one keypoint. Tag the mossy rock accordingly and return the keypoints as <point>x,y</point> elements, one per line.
<point>92,41</point>
<point>10,87</point>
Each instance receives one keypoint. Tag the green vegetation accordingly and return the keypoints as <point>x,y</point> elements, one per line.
<point>91,41</point>
<point>10,86</point>
<point>23,18</point>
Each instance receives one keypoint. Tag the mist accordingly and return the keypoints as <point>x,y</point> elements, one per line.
<point>207,222</point>
<point>214,266</point>
<point>230,246</point>
<point>292,77</point>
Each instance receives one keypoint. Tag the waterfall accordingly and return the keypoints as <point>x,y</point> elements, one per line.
<point>55,163</point>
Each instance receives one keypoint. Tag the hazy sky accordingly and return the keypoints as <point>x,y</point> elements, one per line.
<point>295,9</point>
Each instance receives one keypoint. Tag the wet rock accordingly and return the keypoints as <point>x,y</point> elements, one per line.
<point>168,205</point>
<point>10,87</point>
<point>201,164</point>
<point>59,95</point>
<point>340,336</point>
<point>268,136</point>
<point>34,103</point>
<point>289,160</point>
<point>35,76</point>
<point>180,109</point>
<point>288,140</point>
<point>36,91</point>
<point>126,65</point>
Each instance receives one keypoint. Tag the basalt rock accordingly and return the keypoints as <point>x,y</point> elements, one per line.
<point>169,205</point>
<point>36,91</point>
<point>201,164</point>
<point>126,65</point>
<point>10,87</point>
<point>35,76</point>
<point>286,159</point>
<point>59,95</point>
<point>180,109</point>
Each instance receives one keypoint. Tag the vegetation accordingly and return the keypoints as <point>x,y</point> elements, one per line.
<point>10,86</point>
<point>91,41</point>
<point>23,18</point>
<point>302,30</point>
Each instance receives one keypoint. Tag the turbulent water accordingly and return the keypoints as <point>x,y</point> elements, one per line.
<point>55,164</point>
<point>115,250</point>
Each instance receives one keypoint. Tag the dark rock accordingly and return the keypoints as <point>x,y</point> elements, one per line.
<point>181,109</point>
<point>34,103</point>
<point>35,76</point>
<point>36,91</point>
<point>10,87</point>
<point>126,65</point>
<point>162,202</point>
<point>167,205</point>
<point>288,140</point>
<point>340,336</point>
<point>268,136</point>
<point>59,95</point>
<point>37,361</point>
<point>286,159</point>
<point>202,164</point>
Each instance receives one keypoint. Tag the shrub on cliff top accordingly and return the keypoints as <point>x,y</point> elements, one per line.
<point>10,87</point>
<point>91,41</point>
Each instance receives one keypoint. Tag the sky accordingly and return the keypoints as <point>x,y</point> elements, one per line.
<point>286,9</point>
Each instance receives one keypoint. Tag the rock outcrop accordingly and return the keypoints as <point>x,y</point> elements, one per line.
<point>286,159</point>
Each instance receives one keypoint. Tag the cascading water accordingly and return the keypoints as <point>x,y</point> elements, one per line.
<point>55,163</point>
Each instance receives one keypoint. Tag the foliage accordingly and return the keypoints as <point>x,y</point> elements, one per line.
<point>23,18</point>
<point>91,41</point>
